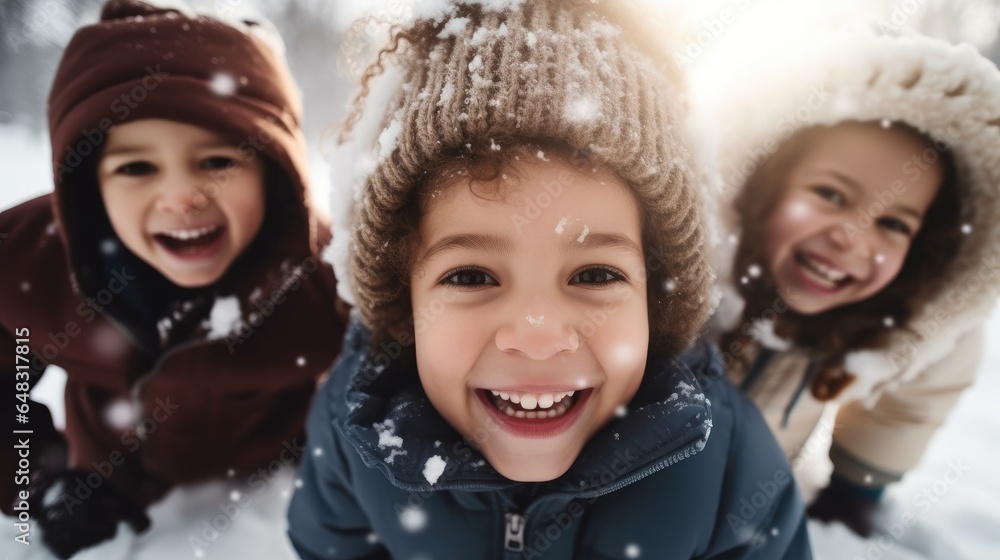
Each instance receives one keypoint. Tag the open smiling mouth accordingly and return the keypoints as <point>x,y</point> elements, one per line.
<point>821,274</point>
<point>190,242</point>
<point>534,406</point>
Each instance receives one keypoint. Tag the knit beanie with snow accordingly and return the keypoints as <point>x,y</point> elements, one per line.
<point>142,61</point>
<point>586,76</point>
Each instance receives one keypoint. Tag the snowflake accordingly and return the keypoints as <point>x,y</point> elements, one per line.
<point>413,519</point>
<point>222,84</point>
<point>632,551</point>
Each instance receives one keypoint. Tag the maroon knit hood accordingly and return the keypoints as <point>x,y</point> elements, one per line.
<point>144,62</point>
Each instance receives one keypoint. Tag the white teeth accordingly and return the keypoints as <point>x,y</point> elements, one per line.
<point>185,234</point>
<point>557,410</point>
<point>830,274</point>
<point>530,401</point>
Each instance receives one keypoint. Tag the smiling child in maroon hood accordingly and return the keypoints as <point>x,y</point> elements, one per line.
<point>174,272</point>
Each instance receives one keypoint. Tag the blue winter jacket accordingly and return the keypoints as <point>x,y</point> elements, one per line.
<point>652,484</point>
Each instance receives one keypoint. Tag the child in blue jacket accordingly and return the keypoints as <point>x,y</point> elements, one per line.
<point>527,267</point>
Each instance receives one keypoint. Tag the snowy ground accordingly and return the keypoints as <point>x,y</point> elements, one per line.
<point>956,520</point>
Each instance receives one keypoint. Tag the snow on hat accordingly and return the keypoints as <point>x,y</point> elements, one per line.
<point>142,61</point>
<point>949,92</point>
<point>582,75</point>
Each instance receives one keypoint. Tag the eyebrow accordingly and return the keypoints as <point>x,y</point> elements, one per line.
<point>142,148</point>
<point>504,245</point>
<point>860,189</point>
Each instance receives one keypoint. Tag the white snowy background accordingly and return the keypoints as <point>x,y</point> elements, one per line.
<point>957,520</point>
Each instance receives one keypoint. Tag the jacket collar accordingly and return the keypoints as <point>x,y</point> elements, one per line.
<point>388,418</point>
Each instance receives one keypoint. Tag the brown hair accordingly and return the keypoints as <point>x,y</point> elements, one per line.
<point>834,333</point>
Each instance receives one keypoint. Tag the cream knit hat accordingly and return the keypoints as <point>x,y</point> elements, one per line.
<point>582,75</point>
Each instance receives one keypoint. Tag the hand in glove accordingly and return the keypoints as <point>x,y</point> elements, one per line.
<point>852,505</point>
<point>70,523</point>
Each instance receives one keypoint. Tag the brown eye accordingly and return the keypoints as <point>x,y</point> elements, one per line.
<point>218,162</point>
<point>896,226</point>
<point>136,169</point>
<point>831,195</point>
<point>597,276</point>
<point>469,277</point>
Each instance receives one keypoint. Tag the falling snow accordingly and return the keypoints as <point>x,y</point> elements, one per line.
<point>966,229</point>
<point>621,411</point>
<point>561,225</point>
<point>889,322</point>
<point>582,110</point>
<point>541,155</point>
<point>222,84</point>
<point>434,468</point>
<point>300,361</point>
<point>586,230</point>
<point>120,414</point>
<point>886,123</point>
<point>413,519</point>
<point>754,271</point>
<point>879,258</point>
<point>670,285</point>
<point>25,286</point>
<point>536,322</point>
<point>109,247</point>
<point>235,496</point>
<point>632,551</point>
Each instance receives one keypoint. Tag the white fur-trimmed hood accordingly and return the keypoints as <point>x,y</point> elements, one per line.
<point>949,92</point>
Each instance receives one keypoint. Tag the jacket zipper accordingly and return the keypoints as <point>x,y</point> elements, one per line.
<point>513,538</point>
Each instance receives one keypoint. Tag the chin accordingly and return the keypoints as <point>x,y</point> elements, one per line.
<point>533,471</point>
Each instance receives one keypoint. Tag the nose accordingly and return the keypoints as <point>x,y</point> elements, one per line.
<point>181,193</point>
<point>538,337</point>
<point>851,242</point>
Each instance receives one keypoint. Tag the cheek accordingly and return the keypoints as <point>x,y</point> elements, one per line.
<point>622,345</point>
<point>888,270</point>
<point>447,341</point>
<point>125,212</point>
<point>244,205</point>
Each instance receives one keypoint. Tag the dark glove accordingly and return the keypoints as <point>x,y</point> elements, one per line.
<point>72,520</point>
<point>852,505</point>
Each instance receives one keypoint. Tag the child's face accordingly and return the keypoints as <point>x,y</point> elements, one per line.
<point>534,296</point>
<point>852,205</point>
<point>181,198</point>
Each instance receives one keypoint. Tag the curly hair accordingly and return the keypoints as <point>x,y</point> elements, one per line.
<point>834,333</point>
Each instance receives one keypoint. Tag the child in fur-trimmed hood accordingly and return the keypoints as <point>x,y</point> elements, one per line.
<point>858,261</point>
